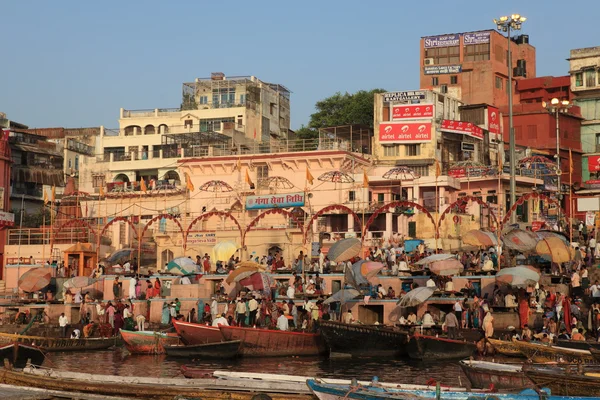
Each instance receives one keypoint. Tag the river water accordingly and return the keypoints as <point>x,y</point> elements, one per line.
<point>120,362</point>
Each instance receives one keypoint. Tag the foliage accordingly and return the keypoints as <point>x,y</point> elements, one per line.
<point>306,133</point>
<point>344,109</point>
<point>32,220</point>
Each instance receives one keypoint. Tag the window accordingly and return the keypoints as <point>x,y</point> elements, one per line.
<point>444,55</point>
<point>272,108</point>
<point>391,151</point>
<point>412,149</point>
<point>477,52</point>
<point>444,89</point>
<point>499,82</point>
<point>435,81</point>
<point>240,122</point>
<point>70,164</point>
<point>351,195</point>
<point>590,78</point>
<point>579,79</point>
<point>453,79</point>
<point>380,197</point>
<point>188,123</point>
<point>98,181</point>
<point>203,99</point>
<point>76,163</point>
<point>223,96</point>
<point>262,172</point>
<point>214,124</point>
<point>242,98</point>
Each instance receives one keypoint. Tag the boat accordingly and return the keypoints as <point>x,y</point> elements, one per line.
<point>142,387</point>
<point>484,374</point>
<point>49,344</point>
<point>273,343</point>
<point>192,333</point>
<point>423,347</point>
<point>221,350</point>
<point>148,342</point>
<point>544,353</point>
<point>505,348</point>
<point>18,354</point>
<point>364,340</point>
<point>570,380</point>
<point>578,344</point>
<point>595,354</point>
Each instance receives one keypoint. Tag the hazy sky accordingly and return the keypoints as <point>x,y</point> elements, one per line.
<point>75,63</point>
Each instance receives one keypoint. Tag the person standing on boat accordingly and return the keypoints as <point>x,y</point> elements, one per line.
<point>457,312</point>
<point>214,308</point>
<point>252,309</point>
<point>166,315</point>
<point>452,325</point>
<point>240,312</point>
<point>63,323</point>
<point>110,311</point>
<point>282,323</point>
<point>132,287</point>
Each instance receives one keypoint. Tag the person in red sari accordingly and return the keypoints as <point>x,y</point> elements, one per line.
<point>523,308</point>
<point>157,286</point>
<point>566,309</point>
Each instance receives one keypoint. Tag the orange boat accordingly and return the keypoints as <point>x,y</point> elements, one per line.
<point>148,342</point>
<point>273,343</point>
<point>192,333</point>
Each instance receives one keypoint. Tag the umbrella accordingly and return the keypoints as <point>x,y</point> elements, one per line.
<point>537,166</point>
<point>35,279</point>
<point>401,173</point>
<point>447,267</point>
<point>120,255</point>
<point>416,297</point>
<point>520,277</point>
<point>275,182</point>
<point>369,269</point>
<point>216,186</point>
<point>183,266</point>
<point>480,238</point>
<point>257,281</point>
<point>223,251</point>
<point>342,296</point>
<point>435,257</point>
<point>243,272</point>
<point>546,234</point>
<point>79,282</point>
<point>520,240</point>
<point>336,177</point>
<point>344,250</point>
<point>555,250</point>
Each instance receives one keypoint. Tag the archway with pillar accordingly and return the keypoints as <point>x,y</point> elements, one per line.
<point>167,217</point>
<point>334,207</point>
<point>208,215</point>
<point>528,196</point>
<point>464,200</point>
<point>395,204</point>
<point>119,219</point>
<point>274,236</point>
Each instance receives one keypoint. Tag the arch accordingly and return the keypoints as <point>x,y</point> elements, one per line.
<point>163,128</point>
<point>464,199</point>
<point>393,205</point>
<point>213,214</point>
<point>165,216</point>
<point>121,178</point>
<point>172,175</point>
<point>287,214</point>
<point>73,222</point>
<point>528,196</point>
<point>117,219</point>
<point>149,130</point>
<point>327,209</point>
<point>131,129</point>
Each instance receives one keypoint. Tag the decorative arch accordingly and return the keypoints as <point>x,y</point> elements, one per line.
<point>171,174</point>
<point>393,205</point>
<point>460,200</point>
<point>528,196</point>
<point>73,222</point>
<point>121,178</point>
<point>131,129</point>
<point>149,130</point>
<point>209,215</point>
<point>165,216</point>
<point>163,128</point>
<point>272,211</point>
<point>117,219</point>
<point>327,209</point>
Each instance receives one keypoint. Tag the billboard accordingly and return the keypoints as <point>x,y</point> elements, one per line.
<point>476,38</point>
<point>404,96</point>
<point>275,201</point>
<point>7,218</point>
<point>405,132</point>
<point>593,163</point>
<point>411,111</point>
<point>493,115</point>
<point>441,41</point>
<point>442,69</point>
<point>208,238</point>
<point>462,128</point>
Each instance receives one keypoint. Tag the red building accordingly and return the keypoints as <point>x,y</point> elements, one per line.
<point>6,217</point>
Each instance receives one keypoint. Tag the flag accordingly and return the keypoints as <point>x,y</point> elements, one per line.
<point>438,169</point>
<point>143,186</point>
<point>102,191</point>
<point>248,180</point>
<point>53,194</point>
<point>46,199</point>
<point>365,179</point>
<point>309,177</point>
<point>239,165</point>
<point>571,169</point>
<point>188,183</point>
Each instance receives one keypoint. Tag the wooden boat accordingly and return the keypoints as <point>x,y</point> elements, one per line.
<point>272,343</point>
<point>192,333</point>
<point>142,387</point>
<point>484,374</point>
<point>572,380</point>
<point>148,342</point>
<point>505,347</point>
<point>364,340</point>
<point>221,350</point>
<point>422,347</point>
<point>48,344</point>
<point>578,344</point>
<point>595,354</point>
<point>543,353</point>
<point>17,354</point>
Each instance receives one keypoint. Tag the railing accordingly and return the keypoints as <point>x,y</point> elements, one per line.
<point>43,236</point>
<point>80,147</point>
<point>111,132</point>
<point>29,190</point>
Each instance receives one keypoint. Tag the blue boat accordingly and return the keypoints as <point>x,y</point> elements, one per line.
<point>325,391</point>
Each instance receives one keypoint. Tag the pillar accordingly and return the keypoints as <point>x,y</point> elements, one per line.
<point>350,223</point>
<point>389,222</point>
<point>150,152</point>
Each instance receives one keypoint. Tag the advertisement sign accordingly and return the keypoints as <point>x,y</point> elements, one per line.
<point>467,146</point>
<point>462,128</point>
<point>7,219</point>
<point>405,132</point>
<point>275,201</point>
<point>493,115</point>
<point>476,38</point>
<point>209,238</point>
<point>593,163</point>
<point>412,111</point>
<point>441,41</point>
<point>442,69</point>
<point>404,96</point>
<point>590,218</point>
<point>537,225</point>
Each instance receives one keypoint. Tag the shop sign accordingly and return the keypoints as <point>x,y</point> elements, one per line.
<point>441,41</point>
<point>209,238</point>
<point>593,163</point>
<point>462,128</point>
<point>405,132</point>
<point>404,96</point>
<point>537,225</point>
<point>275,201</point>
<point>476,38</point>
<point>7,219</point>
<point>442,69</point>
<point>590,218</point>
<point>493,120</point>
<point>411,111</point>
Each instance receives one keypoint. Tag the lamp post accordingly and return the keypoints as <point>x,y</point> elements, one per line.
<point>505,24</point>
<point>555,107</point>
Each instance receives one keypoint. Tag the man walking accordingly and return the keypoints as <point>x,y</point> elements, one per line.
<point>452,325</point>
<point>63,322</point>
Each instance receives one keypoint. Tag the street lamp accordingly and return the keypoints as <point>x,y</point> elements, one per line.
<point>556,107</point>
<point>505,24</point>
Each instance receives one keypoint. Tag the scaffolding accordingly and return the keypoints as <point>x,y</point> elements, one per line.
<point>193,144</point>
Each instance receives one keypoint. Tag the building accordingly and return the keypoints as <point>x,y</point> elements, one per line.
<point>7,218</point>
<point>472,66</point>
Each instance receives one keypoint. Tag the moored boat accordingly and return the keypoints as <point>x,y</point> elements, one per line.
<point>192,333</point>
<point>221,350</point>
<point>571,380</point>
<point>595,354</point>
<point>364,340</point>
<point>578,344</point>
<point>422,347</point>
<point>148,342</point>
<point>49,344</point>
<point>544,353</point>
<point>18,354</point>
<point>273,343</point>
<point>484,374</point>
<point>505,348</point>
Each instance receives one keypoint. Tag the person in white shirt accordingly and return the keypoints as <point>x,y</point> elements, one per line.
<point>595,292</point>
<point>290,292</point>
<point>488,265</point>
<point>510,301</point>
<point>348,318</point>
<point>186,281</point>
<point>126,312</point>
<point>321,261</point>
<point>127,266</point>
<point>214,308</point>
<point>458,311</point>
<point>63,322</point>
<point>403,266</point>
<point>141,320</point>
<point>431,283</point>
<point>381,291</point>
<point>221,320</point>
<point>282,323</point>
<point>78,298</point>
<point>76,334</point>
<point>428,321</point>
<point>252,309</point>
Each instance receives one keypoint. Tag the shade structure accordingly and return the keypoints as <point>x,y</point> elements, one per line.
<point>183,266</point>
<point>519,277</point>
<point>343,296</point>
<point>216,186</point>
<point>336,177</point>
<point>447,267</point>
<point>256,281</point>
<point>120,255</point>
<point>471,169</point>
<point>344,250</point>
<point>78,282</point>
<point>369,269</point>
<point>546,234</point>
<point>401,173</point>
<point>242,272</point>
<point>520,240</point>
<point>480,238</point>
<point>35,279</point>
<point>416,297</point>
<point>554,249</point>
<point>223,251</point>
<point>275,182</point>
<point>435,257</point>
<point>537,166</point>
<point>411,244</point>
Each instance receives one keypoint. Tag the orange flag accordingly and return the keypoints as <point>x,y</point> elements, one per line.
<point>143,186</point>
<point>101,191</point>
<point>309,177</point>
<point>365,179</point>
<point>188,183</point>
<point>248,180</point>
<point>438,169</point>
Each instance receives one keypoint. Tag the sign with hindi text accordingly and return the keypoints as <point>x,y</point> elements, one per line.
<point>283,200</point>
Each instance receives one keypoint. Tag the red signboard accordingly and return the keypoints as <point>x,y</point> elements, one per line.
<point>457,172</point>
<point>411,111</point>
<point>405,132</point>
<point>493,120</point>
<point>593,163</point>
<point>463,128</point>
<point>537,225</point>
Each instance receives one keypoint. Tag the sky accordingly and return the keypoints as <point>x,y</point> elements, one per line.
<point>76,63</point>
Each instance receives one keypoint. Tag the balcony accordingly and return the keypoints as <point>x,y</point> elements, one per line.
<point>79,147</point>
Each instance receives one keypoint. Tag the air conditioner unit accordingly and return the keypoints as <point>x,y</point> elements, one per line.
<point>429,61</point>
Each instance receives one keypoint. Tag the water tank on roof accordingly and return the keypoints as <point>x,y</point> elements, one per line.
<point>522,39</point>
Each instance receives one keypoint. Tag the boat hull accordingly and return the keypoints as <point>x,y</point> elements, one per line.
<point>421,347</point>
<point>60,344</point>
<point>505,348</point>
<point>192,333</point>
<point>18,354</point>
<point>541,353</point>
<point>219,350</point>
<point>271,343</point>
<point>578,344</point>
<point>564,381</point>
<point>483,375</point>
<point>364,341</point>
<point>595,354</point>
<point>148,342</point>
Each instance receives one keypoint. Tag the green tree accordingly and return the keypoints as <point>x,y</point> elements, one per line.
<point>344,109</point>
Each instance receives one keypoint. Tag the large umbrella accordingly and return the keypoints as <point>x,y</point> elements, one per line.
<point>216,186</point>
<point>342,296</point>
<point>435,257</point>
<point>357,275</point>
<point>243,272</point>
<point>344,250</point>
<point>78,282</point>
<point>520,240</point>
<point>35,279</point>
<point>401,174</point>
<point>275,182</point>
<point>546,234</point>
<point>554,249</point>
<point>257,281</point>
<point>369,269</point>
<point>223,251</point>
<point>336,177</point>
<point>250,264</point>
<point>447,267</point>
<point>519,277</point>
<point>480,238</point>
<point>183,266</point>
<point>416,297</point>
<point>123,254</point>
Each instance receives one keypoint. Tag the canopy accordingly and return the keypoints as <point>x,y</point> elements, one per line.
<point>123,254</point>
<point>251,264</point>
<point>447,267</point>
<point>411,245</point>
<point>35,279</point>
<point>479,238</point>
<point>256,281</point>
<point>546,234</point>
<point>369,269</point>
<point>223,251</point>
<point>416,297</point>
<point>520,240</point>
<point>434,258</point>
<point>357,275</point>
<point>555,249</point>
<point>183,266</point>
<point>244,271</point>
<point>344,250</point>
<point>79,282</point>
<point>520,277</point>
<point>343,296</point>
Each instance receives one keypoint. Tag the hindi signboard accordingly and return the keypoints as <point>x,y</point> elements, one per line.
<point>275,201</point>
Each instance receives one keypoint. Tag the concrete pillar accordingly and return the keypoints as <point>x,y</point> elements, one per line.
<point>389,219</point>
<point>315,229</point>
<point>399,221</point>
<point>112,157</point>
<point>150,152</point>
<point>416,197</point>
<point>160,153</point>
<point>350,223</point>
<point>441,200</point>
